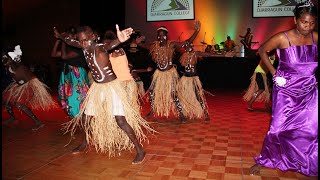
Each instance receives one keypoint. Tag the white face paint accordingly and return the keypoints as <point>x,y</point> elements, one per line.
<point>162,36</point>
<point>188,47</point>
<point>4,58</point>
<point>17,59</point>
<point>11,71</point>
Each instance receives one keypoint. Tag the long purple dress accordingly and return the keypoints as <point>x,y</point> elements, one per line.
<point>291,143</point>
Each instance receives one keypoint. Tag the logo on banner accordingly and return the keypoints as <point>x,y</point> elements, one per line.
<point>274,8</point>
<point>169,5</point>
<point>270,3</point>
<point>170,9</point>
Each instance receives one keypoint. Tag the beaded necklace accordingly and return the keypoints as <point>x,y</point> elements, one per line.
<point>162,55</point>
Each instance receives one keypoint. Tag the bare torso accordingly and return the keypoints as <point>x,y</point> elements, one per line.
<point>99,64</point>
<point>20,73</point>
<point>189,61</point>
<point>163,55</point>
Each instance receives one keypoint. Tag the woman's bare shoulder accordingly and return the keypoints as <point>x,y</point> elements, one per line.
<point>280,37</point>
<point>315,37</point>
<point>281,34</point>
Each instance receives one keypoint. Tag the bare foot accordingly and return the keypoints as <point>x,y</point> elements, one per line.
<point>9,121</point>
<point>81,148</point>
<point>38,126</point>
<point>139,158</point>
<point>183,119</point>
<point>255,169</point>
<point>250,108</point>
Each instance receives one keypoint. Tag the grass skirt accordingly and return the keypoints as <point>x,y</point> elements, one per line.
<point>102,130</point>
<point>132,90</point>
<point>141,91</point>
<point>33,93</point>
<point>187,88</point>
<point>253,87</point>
<point>164,83</point>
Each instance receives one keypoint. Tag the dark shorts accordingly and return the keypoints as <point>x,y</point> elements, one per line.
<point>259,80</point>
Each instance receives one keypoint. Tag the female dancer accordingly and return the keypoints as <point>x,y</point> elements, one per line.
<point>26,90</point>
<point>291,143</point>
<point>258,90</point>
<point>74,83</point>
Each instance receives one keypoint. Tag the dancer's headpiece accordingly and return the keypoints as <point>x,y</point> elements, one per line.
<point>16,54</point>
<point>162,28</point>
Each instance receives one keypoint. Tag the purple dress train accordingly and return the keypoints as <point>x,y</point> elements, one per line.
<point>291,143</point>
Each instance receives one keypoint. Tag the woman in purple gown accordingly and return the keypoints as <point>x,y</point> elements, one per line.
<point>291,144</point>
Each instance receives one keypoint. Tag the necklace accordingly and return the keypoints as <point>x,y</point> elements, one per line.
<point>163,56</point>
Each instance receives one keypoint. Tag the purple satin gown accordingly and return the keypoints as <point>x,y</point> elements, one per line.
<point>291,143</point>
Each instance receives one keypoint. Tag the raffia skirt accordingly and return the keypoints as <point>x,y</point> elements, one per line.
<point>103,102</point>
<point>164,83</point>
<point>131,87</point>
<point>141,90</point>
<point>33,93</point>
<point>187,89</point>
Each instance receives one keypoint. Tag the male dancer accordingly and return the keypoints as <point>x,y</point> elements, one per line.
<point>162,90</point>
<point>106,107</point>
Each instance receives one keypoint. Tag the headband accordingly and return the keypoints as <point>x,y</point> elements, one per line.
<point>162,28</point>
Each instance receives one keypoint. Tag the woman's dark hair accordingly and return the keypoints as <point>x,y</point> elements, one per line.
<point>305,7</point>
